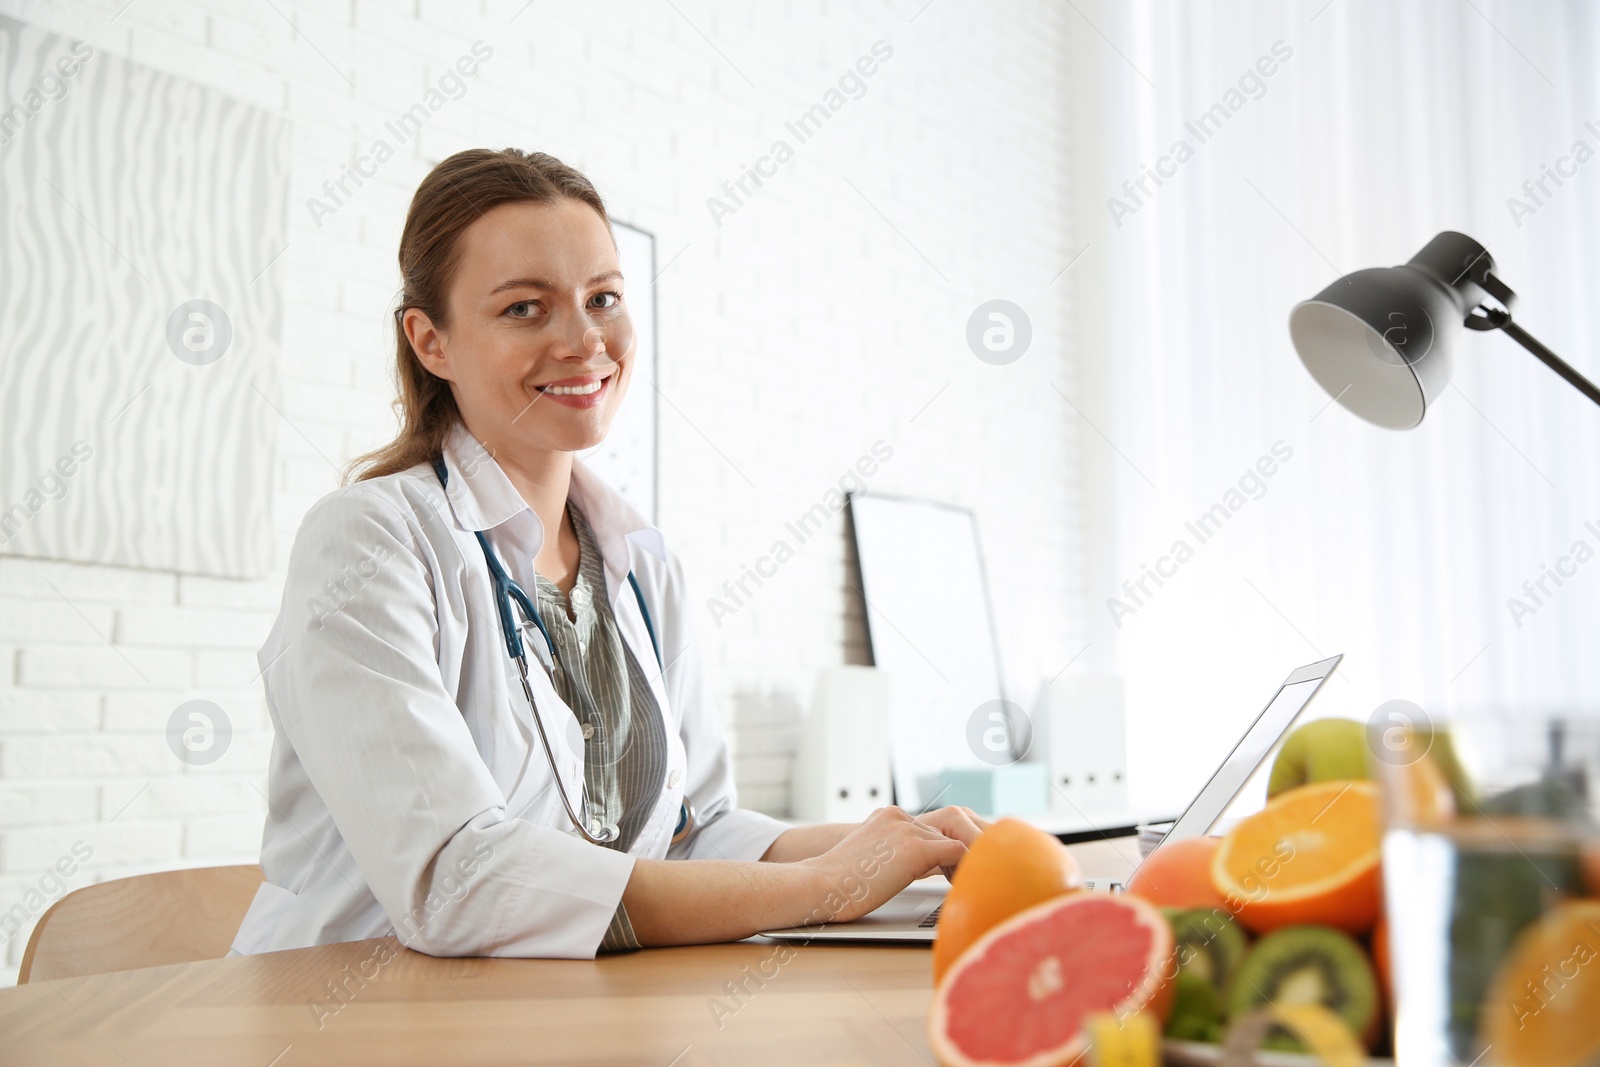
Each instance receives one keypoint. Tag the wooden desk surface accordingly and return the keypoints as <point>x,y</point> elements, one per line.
<point>673,1007</point>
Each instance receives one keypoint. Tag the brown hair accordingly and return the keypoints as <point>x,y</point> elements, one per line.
<point>453,195</point>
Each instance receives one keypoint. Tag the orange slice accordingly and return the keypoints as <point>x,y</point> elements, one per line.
<point>1310,856</point>
<point>1540,1011</point>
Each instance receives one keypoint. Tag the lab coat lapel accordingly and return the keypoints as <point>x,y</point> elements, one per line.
<point>617,527</point>
<point>622,532</point>
<point>483,503</point>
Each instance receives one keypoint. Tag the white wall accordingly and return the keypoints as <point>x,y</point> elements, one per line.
<point>828,312</point>
<point>1386,124</point>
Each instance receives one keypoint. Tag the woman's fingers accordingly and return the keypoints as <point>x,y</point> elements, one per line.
<point>945,853</point>
<point>880,857</point>
<point>957,822</point>
<point>926,845</point>
<point>886,852</point>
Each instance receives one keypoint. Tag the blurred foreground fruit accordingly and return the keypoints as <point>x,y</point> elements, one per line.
<point>1509,872</point>
<point>1543,1009</point>
<point>1292,1027</point>
<point>1196,1010</point>
<point>1323,750</point>
<point>1178,875</point>
<point>1022,992</point>
<point>1210,946</point>
<point>1310,856</point>
<point>1310,965</point>
<point>1381,961</point>
<point>1011,866</point>
<point>1424,781</point>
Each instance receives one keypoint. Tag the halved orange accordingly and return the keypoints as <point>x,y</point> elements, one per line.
<point>1540,1011</point>
<point>1011,866</point>
<point>1310,856</point>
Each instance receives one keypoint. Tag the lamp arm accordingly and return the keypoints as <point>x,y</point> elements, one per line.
<point>1549,358</point>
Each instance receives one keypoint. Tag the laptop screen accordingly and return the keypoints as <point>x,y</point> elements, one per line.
<point>1252,749</point>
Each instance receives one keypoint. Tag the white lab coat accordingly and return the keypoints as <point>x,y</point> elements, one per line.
<point>408,791</point>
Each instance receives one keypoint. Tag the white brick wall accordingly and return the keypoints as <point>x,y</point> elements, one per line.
<point>824,314</point>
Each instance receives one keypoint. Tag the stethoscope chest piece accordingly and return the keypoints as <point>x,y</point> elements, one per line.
<point>685,825</point>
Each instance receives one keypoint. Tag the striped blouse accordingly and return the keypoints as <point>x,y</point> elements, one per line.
<point>624,740</point>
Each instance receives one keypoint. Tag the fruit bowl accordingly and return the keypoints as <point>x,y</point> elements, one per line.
<point>1199,1054</point>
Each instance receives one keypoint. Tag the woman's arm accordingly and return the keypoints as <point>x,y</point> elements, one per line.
<point>804,842</point>
<point>685,902</point>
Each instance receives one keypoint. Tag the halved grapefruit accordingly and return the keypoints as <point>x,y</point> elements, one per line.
<point>1021,994</point>
<point>1011,866</point>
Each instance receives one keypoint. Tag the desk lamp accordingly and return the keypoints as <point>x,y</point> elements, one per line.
<point>1381,341</point>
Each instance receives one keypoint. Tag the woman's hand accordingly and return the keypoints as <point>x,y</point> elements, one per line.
<point>841,872</point>
<point>955,821</point>
<point>883,854</point>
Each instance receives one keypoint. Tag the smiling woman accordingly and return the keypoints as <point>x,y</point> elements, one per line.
<point>423,786</point>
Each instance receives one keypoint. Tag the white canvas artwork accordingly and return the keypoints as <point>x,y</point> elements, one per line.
<point>144,221</point>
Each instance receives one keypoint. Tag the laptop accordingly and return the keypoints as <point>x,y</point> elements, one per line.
<point>913,914</point>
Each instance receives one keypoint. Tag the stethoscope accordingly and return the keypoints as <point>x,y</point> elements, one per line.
<point>508,592</point>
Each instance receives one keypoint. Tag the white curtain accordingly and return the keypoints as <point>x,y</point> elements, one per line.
<point>1337,136</point>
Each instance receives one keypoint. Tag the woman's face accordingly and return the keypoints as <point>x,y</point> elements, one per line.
<point>539,347</point>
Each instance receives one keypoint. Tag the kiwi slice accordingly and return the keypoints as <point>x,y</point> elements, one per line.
<point>1196,1010</point>
<point>1308,965</point>
<point>1210,945</point>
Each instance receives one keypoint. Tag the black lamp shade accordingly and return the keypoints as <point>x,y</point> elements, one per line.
<point>1382,341</point>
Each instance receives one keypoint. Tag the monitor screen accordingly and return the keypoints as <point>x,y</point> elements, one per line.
<point>925,602</point>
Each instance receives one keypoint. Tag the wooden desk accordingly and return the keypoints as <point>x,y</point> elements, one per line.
<point>676,1007</point>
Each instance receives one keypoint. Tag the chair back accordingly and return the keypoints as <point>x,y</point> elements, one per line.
<point>149,920</point>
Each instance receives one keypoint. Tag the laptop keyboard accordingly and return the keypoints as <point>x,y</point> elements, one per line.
<point>930,920</point>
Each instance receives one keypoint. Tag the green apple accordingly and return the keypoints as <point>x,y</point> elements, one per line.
<point>1322,750</point>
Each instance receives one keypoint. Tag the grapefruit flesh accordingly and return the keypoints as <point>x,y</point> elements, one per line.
<point>1021,994</point>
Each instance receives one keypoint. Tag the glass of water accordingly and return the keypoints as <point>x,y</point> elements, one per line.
<point>1491,858</point>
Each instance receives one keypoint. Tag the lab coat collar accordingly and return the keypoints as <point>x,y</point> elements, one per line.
<point>482,498</point>
<point>616,525</point>
<point>480,494</point>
